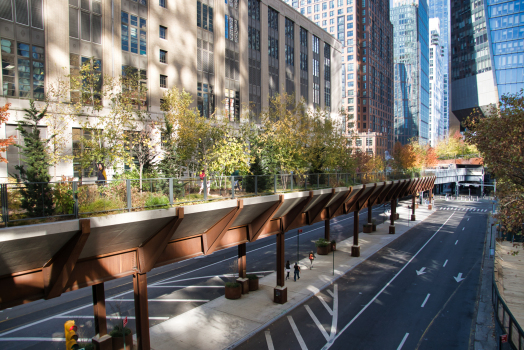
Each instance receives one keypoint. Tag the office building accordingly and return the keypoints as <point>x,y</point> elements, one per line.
<point>437,121</point>
<point>366,34</point>
<point>227,54</point>
<point>411,55</point>
<point>440,9</point>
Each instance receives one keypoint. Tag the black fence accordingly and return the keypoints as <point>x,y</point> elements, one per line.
<point>506,320</point>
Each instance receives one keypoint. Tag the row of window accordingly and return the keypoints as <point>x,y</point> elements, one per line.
<point>24,12</point>
<point>133,33</point>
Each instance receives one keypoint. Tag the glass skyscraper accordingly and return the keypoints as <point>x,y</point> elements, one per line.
<point>436,83</point>
<point>506,23</point>
<point>440,9</point>
<point>411,84</point>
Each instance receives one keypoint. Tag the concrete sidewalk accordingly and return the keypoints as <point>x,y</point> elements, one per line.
<point>223,323</point>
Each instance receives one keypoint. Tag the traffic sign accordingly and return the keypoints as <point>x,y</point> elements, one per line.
<point>300,231</point>
<point>504,338</point>
<point>125,321</point>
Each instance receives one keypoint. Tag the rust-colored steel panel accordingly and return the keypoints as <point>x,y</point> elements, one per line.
<point>180,250</point>
<point>149,251</point>
<point>339,203</point>
<point>232,237</point>
<point>289,219</point>
<point>21,288</point>
<point>391,194</point>
<point>375,196</point>
<point>260,226</point>
<point>300,221</point>
<point>382,197</point>
<point>215,233</point>
<point>96,270</point>
<point>364,199</point>
<point>315,212</point>
<point>273,227</point>
<point>352,204</point>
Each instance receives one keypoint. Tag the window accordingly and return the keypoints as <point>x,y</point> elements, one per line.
<point>369,141</point>
<point>163,81</point>
<point>133,33</point>
<point>78,150</point>
<point>358,142</point>
<point>23,71</point>
<point>163,32</point>
<point>163,56</point>
<point>21,12</point>
<point>204,16</point>
<point>85,22</point>
<point>162,3</point>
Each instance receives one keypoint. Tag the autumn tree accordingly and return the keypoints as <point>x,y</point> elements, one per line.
<point>4,143</point>
<point>498,136</point>
<point>404,157</point>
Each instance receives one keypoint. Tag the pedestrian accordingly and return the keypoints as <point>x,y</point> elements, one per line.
<point>236,179</point>
<point>101,175</point>
<point>311,258</point>
<point>202,177</point>
<point>297,271</point>
<point>288,270</point>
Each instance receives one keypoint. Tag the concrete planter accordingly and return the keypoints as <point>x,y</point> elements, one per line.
<point>253,284</point>
<point>118,342</point>
<point>233,292</point>
<point>323,250</point>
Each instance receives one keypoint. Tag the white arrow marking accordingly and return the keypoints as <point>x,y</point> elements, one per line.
<point>269,341</point>
<point>421,271</point>
<point>317,322</point>
<point>459,277</point>
<point>445,263</point>
<point>463,228</point>
<point>468,219</point>
<point>425,300</point>
<point>456,242</point>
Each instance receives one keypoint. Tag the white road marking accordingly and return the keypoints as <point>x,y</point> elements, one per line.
<point>459,277</point>
<point>332,341</point>
<point>445,263</point>
<point>170,300</point>
<point>269,341</point>
<point>325,304</point>
<point>425,300</point>
<point>297,333</point>
<point>463,228</point>
<point>421,271</point>
<point>168,286</point>
<point>468,219</point>
<point>49,339</point>
<point>331,293</point>
<point>110,317</point>
<point>456,242</point>
<point>403,341</point>
<point>335,313</point>
<point>317,322</point>
<point>204,277</point>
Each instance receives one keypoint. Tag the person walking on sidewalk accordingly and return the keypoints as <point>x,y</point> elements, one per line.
<point>288,269</point>
<point>297,271</point>
<point>311,258</point>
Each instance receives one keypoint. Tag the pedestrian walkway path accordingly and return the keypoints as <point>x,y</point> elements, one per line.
<point>223,323</point>
<point>462,209</point>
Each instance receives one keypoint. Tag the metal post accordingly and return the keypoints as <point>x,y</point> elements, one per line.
<point>298,244</point>
<point>318,181</point>
<point>305,182</point>
<point>128,194</point>
<point>205,188</point>
<point>326,230</point>
<point>329,181</point>
<point>393,215</point>
<point>141,311</point>
<point>232,187</point>
<point>75,198</point>
<point>355,249</point>
<point>495,186</point>
<point>291,181</point>
<point>275,183</point>
<point>171,191</point>
<point>242,262</point>
<point>256,185</point>
<point>333,263</point>
<point>280,291</point>
<point>370,214</point>
<point>99,309</point>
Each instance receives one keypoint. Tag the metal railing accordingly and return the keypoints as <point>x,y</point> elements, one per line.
<point>506,320</point>
<point>52,201</point>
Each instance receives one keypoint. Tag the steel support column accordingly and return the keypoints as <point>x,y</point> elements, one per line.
<point>280,291</point>
<point>101,340</point>
<point>327,229</point>
<point>355,249</point>
<point>370,213</point>
<point>413,204</point>
<point>242,266</point>
<point>393,216</point>
<point>141,311</point>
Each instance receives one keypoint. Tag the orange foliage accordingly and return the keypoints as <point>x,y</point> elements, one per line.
<point>4,143</point>
<point>404,157</point>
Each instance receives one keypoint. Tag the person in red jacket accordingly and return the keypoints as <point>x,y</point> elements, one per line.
<point>311,258</point>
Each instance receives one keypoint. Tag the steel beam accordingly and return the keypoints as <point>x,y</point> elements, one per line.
<point>261,223</point>
<point>149,251</point>
<point>141,311</point>
<point>355,249</point>
<point>314,213</point>
<point>218,230</point>
<point>339,203</point>
<point>280,291</point>
<point>288,220</point>
<point>101,340</point>
<point>58,270</point>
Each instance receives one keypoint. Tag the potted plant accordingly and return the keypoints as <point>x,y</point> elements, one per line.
<point>117,338</point>
<point>322,246</point>
<point>233,290</point>
<point>253,282</point>
<point>367,228</point>
<point>333,245</point>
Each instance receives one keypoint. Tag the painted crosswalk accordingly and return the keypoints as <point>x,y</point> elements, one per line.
<point>463,209</point>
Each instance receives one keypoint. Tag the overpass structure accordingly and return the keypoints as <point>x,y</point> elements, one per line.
<point>46,260</point>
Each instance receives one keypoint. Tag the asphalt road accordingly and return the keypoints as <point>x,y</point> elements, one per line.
<point>419,292</point>
<point>172,289</point>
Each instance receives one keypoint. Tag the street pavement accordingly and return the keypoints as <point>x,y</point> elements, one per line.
<point>418,292</point>
<point>172,290</point>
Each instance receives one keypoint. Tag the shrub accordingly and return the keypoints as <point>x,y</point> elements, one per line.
<point>117,331</point>
<point>102,204</point>
<point>64,197</point>
<point>322,242</point>
<point>252,276</point>
<point>232,285</point>
<point>157,202</point>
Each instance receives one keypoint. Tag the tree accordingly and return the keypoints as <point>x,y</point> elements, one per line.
<point>4,143</point>
<point>498,136</point>
<point>404,157</point>
<point>37,196</point>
